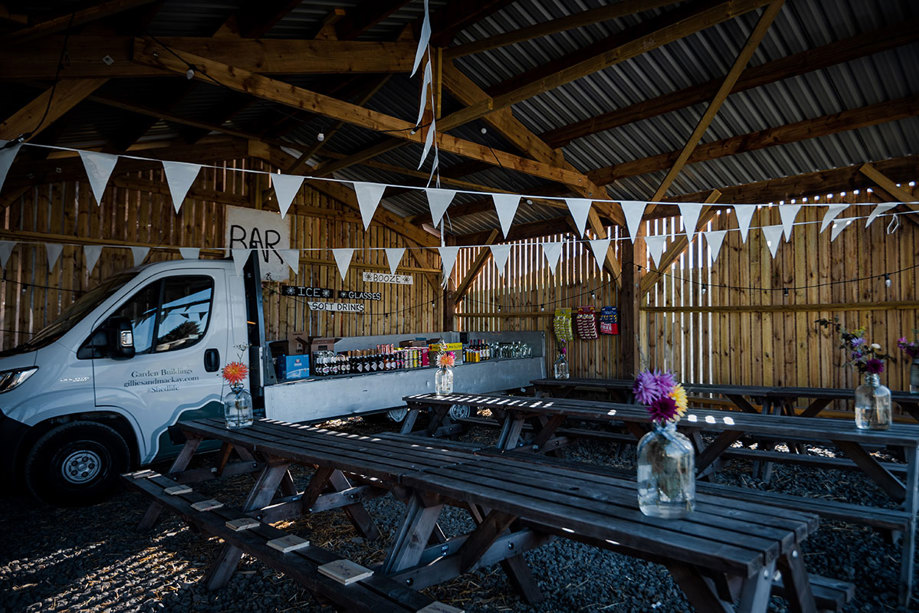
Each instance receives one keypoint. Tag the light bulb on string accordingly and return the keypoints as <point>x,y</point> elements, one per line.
<point>542,307</point>
<point>785,291</point>
<point>704,289</point>
<point>887,280</point>
<point>593,295</point>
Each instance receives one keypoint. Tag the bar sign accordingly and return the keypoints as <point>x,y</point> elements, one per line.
<point>378,277</point>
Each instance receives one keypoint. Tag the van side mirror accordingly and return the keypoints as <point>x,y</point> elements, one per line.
<point>120,335</point>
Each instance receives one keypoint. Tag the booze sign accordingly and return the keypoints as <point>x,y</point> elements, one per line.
<point>378,277</point>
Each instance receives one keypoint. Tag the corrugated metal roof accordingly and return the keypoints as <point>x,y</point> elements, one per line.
<point>705,56</point>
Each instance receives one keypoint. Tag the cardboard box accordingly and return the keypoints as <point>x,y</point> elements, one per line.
<point>298,343</point>
<point>447,347</point>
<point>413,343</point>
<point>292,367</point>
<point>322,344</point>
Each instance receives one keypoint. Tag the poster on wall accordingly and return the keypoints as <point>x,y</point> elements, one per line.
<point>262,230</point>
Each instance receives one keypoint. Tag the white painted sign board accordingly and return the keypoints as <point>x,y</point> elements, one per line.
<point>262,230</point>
<point>378,277</point>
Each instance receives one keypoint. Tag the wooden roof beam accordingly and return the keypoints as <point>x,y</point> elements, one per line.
<point>257,17</point>
<point>366,16</point>
<point>890,186</point>
<point>38,114</point>
<point>562,24</point>
<point>853,119</point>
<point>811,184</point>
<point>302,99</point>
<point>762,26</point>
<point>70,20</point>
<point>787,67</point>
<point>477,266</point>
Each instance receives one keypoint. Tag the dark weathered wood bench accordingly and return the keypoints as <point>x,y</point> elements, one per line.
<point>373,594</point>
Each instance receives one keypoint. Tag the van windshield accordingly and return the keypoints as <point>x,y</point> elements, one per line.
<point>76,311</point>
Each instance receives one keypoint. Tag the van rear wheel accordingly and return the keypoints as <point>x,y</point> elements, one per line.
<point>76,463</point>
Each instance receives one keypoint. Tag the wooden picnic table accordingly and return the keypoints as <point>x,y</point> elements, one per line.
<point>723,553</point>
<point>547,415</point>
<point>773,399</point>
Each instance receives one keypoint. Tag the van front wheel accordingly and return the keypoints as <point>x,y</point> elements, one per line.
<point>76,463</point>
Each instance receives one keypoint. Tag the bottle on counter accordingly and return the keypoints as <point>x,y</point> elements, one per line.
<point>560,369</point>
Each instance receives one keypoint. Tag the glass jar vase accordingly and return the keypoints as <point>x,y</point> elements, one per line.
<point>443,381</point>
<point>872,404</point>
<point>237,408</point>
<point>914,377</point>
<point>666,473</point>
<point>560,368</point>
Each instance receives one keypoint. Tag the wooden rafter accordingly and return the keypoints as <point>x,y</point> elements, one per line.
<point>794,65</point>
<point>655,33</point>
<point>38,114</point>
<point>811,184</point>
<point>366,16</point>
<point>546,227</point>
<point>77,18</point>
<point>871,115</point>
<point>455,16</point>
<point>678,248</point>
<point>570,22</point>
<point>890,186</point>
<point>257,17</point>
<point>740,63</point>
<point>299,98</point>
<point>477,266</point>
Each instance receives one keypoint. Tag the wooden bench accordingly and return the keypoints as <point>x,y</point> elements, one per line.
<point>373,594</point>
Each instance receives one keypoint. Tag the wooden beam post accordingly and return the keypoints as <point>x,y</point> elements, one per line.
<point>762,26</point>
<point>476,267</point>
<point>31,119</point>
<point>889,186</point>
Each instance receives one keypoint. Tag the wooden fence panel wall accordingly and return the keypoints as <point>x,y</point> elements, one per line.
<point>137,211</point>
<point>528,294</point>
<point>746,329</point>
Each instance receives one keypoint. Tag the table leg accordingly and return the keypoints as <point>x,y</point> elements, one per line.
<point>715,449</point>
<point>754,594</point>
<point>871,467</point>
<point>356,512</point>
<point>513,432</point>
<point>911,504</point>
<point>408,424</point>
<point>178,465</point>
<point>797,584</point>
<point>698,589</point>
<point>816,406</point>
<point>547,431</point>
<point>515,567</point>
<point>413,535</point>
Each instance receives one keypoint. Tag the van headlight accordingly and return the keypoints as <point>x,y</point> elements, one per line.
<point>11,379</point>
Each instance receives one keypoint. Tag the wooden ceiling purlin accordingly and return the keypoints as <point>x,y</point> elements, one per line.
<point>562,24</point>
<point>874,114</point>
<point>299,98</point>
<point>787,67</point>
<point>70,20</point>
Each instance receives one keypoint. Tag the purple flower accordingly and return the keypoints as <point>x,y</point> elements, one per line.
<point>663,410</point>
<point>857,341</point>
<point>874,366</point>
<point>652,385</point>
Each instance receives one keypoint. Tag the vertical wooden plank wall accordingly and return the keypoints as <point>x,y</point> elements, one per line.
<point>745,329</point>
<point>528,294</point>
<point>137,210</point>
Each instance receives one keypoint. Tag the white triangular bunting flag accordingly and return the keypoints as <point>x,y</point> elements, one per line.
<point>655,248</point>
<point>7,155</point>
<point>285,190</point>
<point>438,201</point>
<point>423,38</point>
<point>881,208</point>
<point>6,248</point>
<point>839,225</point>
<point>788,212</point>
<point>92,253</point>
<point>368,199</point>
<point>54,252</point>
<point>633,210</point>
<point>139,254</point>
<point>600,247</point>
<point>500,253</point>
<point>506,207</point>
<point>690,212</point>
<point>343,259</point>
<point>428,141</point>
<point>448,259</point>
<point>291,257</point>
<point>832,211</point>
<point>394,256</point>
<point>580,209</point>
<point>744,215</point>
<point>553,252</point>
<point>773,236</point>
<point>189,253</point>
<point>715,239</point>
<point>99,167</point>
<point>240,257</point>
<point>425,83</point>
<point>180,176</point>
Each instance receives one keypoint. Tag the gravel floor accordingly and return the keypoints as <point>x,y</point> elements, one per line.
<point>96,559</point>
